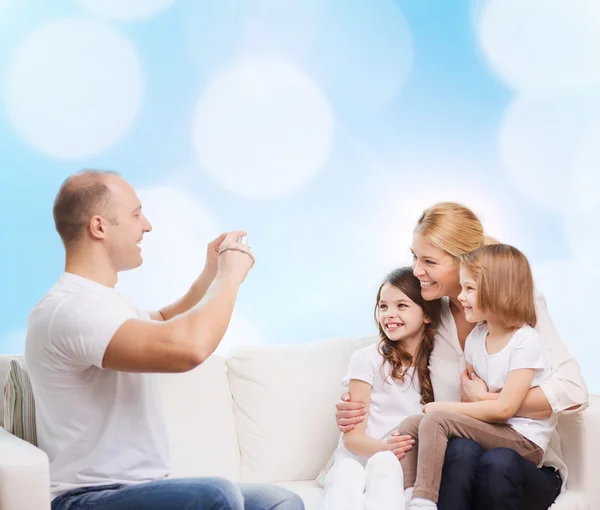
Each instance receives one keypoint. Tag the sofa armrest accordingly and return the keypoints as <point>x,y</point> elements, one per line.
<point>24,475</point>
<point>580,444</point>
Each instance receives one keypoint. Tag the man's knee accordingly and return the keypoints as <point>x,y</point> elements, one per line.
<point>221,493</point>
<point>283,499</point>
<point>271,497</point>
<point>410,426</point>
<point>289,500</point>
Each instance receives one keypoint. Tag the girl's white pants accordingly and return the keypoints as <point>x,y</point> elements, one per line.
<point>377,486</point>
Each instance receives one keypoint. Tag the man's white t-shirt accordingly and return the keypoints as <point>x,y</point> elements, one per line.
<point>97,426</point>
<point>391,400</point>
<point>524,350</point>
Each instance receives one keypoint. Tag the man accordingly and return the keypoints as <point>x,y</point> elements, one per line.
<point>91,355</point>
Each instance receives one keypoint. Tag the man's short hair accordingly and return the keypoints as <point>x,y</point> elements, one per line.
<point>81,196</point>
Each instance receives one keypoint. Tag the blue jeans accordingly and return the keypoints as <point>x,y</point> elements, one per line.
<point>180,494</point>
<point>499,479</point>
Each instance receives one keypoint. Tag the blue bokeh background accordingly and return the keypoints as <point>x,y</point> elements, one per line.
<point>323,128</point>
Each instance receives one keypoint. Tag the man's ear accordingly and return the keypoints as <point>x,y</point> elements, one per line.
<point>97,227</point>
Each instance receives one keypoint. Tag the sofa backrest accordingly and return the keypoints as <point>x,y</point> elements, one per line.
<point>199,415</point>
<point>284,398</point>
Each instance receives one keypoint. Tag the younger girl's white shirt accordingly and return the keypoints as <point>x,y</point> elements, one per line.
<point>391,400</point>
<point>566,390</point>
<point>524,350</point>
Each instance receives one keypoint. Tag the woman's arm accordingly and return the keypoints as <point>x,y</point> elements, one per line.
<point>356,441</point>
<point>566,391</point>
<point>348,413</point>
<point>509,400</point>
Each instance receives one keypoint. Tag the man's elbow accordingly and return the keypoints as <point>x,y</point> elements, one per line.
<point>196,357</point>
<point>188,351</point>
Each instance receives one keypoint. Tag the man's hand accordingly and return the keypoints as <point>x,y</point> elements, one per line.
<point>399,445</point>
<point>348,414</point>
<point>234,259</point>
<point>472,389</point>
<point>212,256</point>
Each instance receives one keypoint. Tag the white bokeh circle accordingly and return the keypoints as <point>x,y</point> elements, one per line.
<point>570,289</point>
<point>581,230</point>
<point>586,172</point>
<point>538,45</point>
<point>73,88</point>
<point>262,128</point>
<point>539,140</point>
<point>174,252</point>
<point>364,53</point>
<point>126,9</point>
<point>391,224</point>
<point>282,28</point>
<point>217,32</point>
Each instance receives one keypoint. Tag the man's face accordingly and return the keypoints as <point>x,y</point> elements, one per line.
<point>127,228</point>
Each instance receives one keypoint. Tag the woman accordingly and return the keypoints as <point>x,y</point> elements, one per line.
<point>472,478</point>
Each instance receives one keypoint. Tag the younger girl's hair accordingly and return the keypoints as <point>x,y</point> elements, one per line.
<point>394,352</point>
<point>504,283</point>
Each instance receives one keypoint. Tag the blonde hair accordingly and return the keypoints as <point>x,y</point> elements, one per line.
<point>453,228</point>
<point>504,283</point>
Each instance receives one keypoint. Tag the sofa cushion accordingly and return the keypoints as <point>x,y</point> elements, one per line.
<point>199,415</point>
<point>283,402</point>
<point>19,405</point>
<point>310,492</point>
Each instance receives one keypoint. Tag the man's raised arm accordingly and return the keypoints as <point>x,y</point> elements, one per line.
<point>183,342</point>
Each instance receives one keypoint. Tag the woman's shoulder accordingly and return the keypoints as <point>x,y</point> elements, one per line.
<point>538,299</point>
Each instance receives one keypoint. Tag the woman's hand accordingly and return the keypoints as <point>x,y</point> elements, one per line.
<point>348,414</point>
<point>472,389</point>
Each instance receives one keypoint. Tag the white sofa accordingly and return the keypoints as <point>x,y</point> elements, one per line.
<point>266,414</point>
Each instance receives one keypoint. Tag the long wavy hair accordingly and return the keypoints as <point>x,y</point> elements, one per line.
<point>394,352</point>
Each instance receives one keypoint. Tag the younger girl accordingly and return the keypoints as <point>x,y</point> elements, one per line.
<point>392,379</point>
<point>506,352</point>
